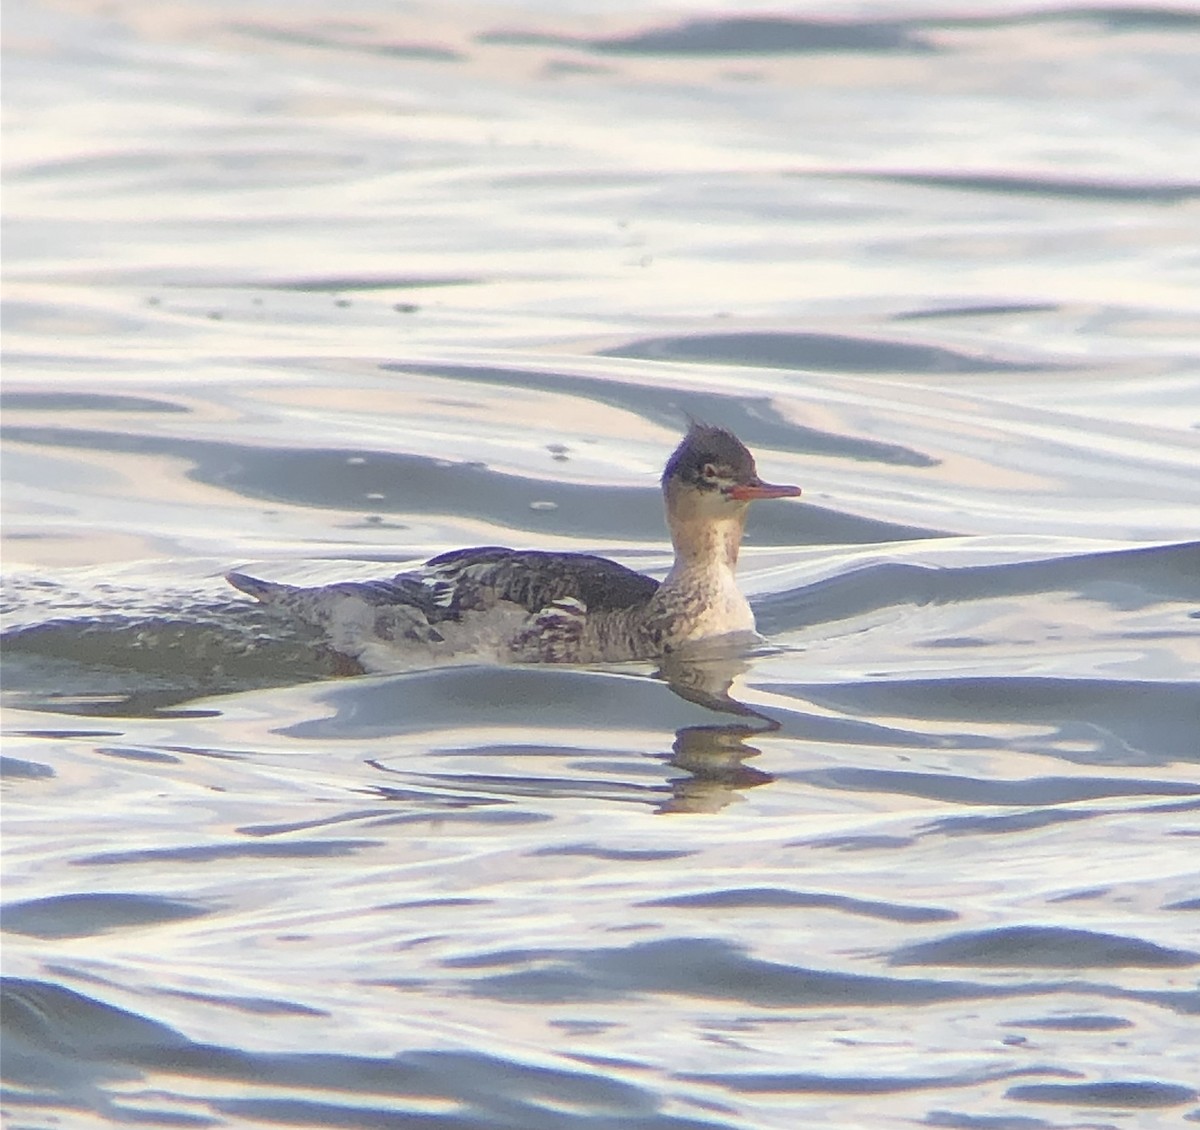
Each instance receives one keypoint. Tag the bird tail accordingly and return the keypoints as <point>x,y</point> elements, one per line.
<point>266,591</point>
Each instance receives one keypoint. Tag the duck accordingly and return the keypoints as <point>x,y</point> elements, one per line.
<point>535,606</point>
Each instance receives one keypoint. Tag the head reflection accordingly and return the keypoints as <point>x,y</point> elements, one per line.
<point>714,756</point>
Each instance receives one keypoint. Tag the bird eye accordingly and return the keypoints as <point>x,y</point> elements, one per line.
<point>709,471</point>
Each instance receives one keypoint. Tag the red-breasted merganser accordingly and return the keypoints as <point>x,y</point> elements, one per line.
<point>531,606</point>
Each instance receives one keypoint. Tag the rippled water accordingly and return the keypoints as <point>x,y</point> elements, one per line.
<point>324,291</point>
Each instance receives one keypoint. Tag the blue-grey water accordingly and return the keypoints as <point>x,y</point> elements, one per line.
<point>319,291</point>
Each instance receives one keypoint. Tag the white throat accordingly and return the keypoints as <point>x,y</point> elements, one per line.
<point>702,584</point>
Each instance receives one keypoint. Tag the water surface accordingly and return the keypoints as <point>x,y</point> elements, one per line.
<point>319,294</point>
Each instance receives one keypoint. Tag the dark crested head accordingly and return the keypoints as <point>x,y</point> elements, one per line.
<point>708,455</point>
<point>712,459</point>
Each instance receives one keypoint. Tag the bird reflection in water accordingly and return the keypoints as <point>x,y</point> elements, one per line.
<point>714,756</point>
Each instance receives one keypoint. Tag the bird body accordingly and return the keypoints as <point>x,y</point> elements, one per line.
<point>534,606</point>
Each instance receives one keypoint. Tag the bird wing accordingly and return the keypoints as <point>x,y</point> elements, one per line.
<point>561,586</point>
<point>476,579</point>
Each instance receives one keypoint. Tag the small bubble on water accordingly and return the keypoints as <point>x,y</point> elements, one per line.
<point>356,460</point>
<point>543,505</point>
<point>375,496</point>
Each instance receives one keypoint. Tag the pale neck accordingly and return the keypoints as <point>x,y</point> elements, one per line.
<point>706,545</point>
